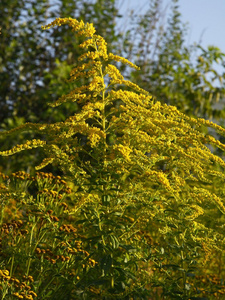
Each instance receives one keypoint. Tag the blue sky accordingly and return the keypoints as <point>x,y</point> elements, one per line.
<point>206,19</point>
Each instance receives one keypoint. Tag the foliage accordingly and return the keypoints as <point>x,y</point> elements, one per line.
<point>34,65</point>
<point>29,62</point>
<point>174,73</point>
<point>139,207</point>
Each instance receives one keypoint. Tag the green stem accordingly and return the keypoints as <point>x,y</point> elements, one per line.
<point>30,245</point>
<point>11,267</point>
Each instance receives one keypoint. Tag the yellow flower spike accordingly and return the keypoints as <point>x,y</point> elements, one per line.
<point>124,150</point>
<point>45,162</point>
<point>97,84</point>
<point>88,43</point>
<point>197,212</point>
<point>6,272</point>
<point>90,55</point>
<point>81,28</point>
<point>72,97</point>
<point>134,86</point>
<point>101,46</point>
<point>164,180</point>
<point>123,60</point>
<point>132,99</point>
<point>28,145</point>
<point>95,135</point>
<point>114,73</point>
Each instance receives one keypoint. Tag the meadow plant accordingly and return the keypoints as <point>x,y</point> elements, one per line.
<point>138,209</point>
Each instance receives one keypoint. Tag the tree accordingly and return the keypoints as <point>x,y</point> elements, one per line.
<point>32,62</point>
<point>174,73</point>
<point>133,208</point>
<point>34,69</point>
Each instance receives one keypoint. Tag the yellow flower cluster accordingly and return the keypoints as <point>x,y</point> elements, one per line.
<point>137,101</point>
<point>95,135</point>
<point>87,43</point>
<point>134,87</point>
<point>45,162</point>
<point>118,58</point>
<point>81,28</point>
<point>97,85</point>
<point>114,73</point>
<point>28,145</point>
<point>23,287</point>
<point>73,97</point>
<point>89,55</point>
<point>101,46</point>
<point>164,180</point>
<point>206,195</point>
<point>124,150</point>
<point>197,212</point>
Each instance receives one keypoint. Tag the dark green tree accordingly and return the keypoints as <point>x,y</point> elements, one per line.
<point>31,62</point>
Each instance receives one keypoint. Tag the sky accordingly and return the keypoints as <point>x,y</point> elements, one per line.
<point>205,18</point>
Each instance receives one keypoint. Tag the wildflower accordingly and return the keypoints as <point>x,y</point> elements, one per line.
<point>124,150</point>
<point>4,273</point>
<point>197,212</point>
<point>32,293</point>
<point>17,295</point>
<point>28,297</point>
<point>54,218</point>
<point>28,145</point>
<point>64,205</point>
<point>114,73</point>
<point>123,60</point>
<point>95,135</point>
<point>92,262</point>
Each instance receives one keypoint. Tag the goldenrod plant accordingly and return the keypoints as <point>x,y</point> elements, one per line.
<point>138,209</point>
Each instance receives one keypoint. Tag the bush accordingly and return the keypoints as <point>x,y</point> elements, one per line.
<point>138,207</point>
